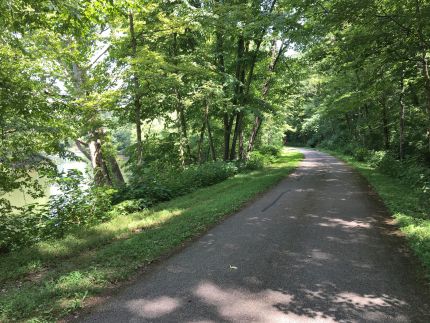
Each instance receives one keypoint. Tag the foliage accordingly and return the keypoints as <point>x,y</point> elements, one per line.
<point>256,160</point>
<point>157,186</point>
<point>23,227</point>
<point>174,86</point>
<point>87,262</point>
<point>271,150</point>
<point>76,207</point>
<point>364,91</point>
<point>130,206</point>
<point>81,205</point>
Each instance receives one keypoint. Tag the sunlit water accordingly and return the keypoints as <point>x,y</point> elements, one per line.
<point>19,198</point>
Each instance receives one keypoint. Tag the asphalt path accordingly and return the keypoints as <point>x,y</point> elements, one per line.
<point>318,247</point>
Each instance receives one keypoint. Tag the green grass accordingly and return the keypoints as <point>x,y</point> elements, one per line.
<point>51,279</point>
<point>407,205</point>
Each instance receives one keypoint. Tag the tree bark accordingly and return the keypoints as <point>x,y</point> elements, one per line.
<point>101,173</point>
<point>185,149</point>
<point>254,133</point>
<point>402,119</point>
<point>211,142</point>
<point>100,169</point>
<point>348,123</point>
<point>228,123</point>
<point>237,130</point>
<point>200,144</point>
<point>426,75</point>
<point>227,118</point>
<point>239,91</point>
<point>83,149</point>
<point>116,171</point>
<point>276,54</point>
<point>241,148</point>
<point>137,96</point>
<point>184,133</point>
<point>385,126</point>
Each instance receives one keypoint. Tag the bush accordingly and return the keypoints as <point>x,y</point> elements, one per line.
<point>270,150</point>
<point>389,165</point>
<point>415,175</point>
<point>146,186</point>
<point>198,176</point>
<point>409,171</point>
<point>375,158</point>
<point>256,160</point>
<point>75,207</point>
<point>130,206</point>
<point>348,149</point>
<point>361,153</point>
<point>312,142</point>
<point>157,186</point>
<point>22,226</point>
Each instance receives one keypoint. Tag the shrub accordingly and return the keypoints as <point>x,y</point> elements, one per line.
<point>147,187</point>
<point>256,160</point>
<point>389,165</point>
<point>157,186</point>
<point>77,206</point>
<point>361,153</point>
<point>197,176</point>
<point>130,206</point>
<point>416,175</point>
<point>312,142</point>
<point>22,226</point>
<point>348,149</point>
<point>375,157</point>
<point>270,150</point>
<point>408,171</point>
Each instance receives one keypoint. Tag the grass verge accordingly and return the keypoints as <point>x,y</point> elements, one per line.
<point>405,203</point>
<point>52,279</point>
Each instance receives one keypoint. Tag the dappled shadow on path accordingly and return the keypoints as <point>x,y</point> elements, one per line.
<point>323,252</point>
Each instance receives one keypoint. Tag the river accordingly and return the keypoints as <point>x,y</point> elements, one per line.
<point>20,198</point>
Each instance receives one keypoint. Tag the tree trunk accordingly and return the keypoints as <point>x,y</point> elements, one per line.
<point>228,123</point>
<point>211,142</point>
<point>254,133</point>
<point>116,171</point>
<point>241,148</point>
<point>237,130</point>
<point>202,136</point>
<point>101,173</point>
<point>239,91</point>
<point>227,118</point>
<point>386,127</point>
<point>137,101</point>
<point>426,75</point>
<point>402,119</point>
<point>184,133</point>
<point>369,129</point>
<point>83,149</point>
<point>348,123</point>
<point>276,54</point>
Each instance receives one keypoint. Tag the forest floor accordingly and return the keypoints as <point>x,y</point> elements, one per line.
<point>320,246</point>
<point>55,278</point>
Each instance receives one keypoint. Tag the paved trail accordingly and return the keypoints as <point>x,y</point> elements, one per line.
<point>314,248</point>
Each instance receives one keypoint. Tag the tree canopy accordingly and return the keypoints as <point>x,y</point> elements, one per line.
<point>170,84</point>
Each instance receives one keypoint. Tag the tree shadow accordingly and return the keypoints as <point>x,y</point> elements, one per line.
<point>325,252</point>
